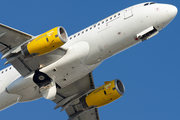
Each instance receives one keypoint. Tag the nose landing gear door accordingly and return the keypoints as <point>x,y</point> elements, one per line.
<point>128,13</point>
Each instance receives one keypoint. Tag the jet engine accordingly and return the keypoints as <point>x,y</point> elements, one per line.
<point>45,42</point>
<point>103,95</point>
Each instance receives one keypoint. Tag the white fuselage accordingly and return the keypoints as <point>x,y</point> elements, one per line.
<point>89,47</point>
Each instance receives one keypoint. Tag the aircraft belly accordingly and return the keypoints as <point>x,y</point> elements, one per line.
<point>81,50</point>
<point>71,66</point>
<point>106,41</point>
<point>102,44</point>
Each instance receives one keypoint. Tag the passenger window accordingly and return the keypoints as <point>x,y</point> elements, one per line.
<point>78,34</point>
<point>74,36</point>
<point>70,38</point>
<point>114,16</point>
<point>110,18</point>
<point>82,32</point>
<point>119,14</point>
<point>86,30</point>
<point>98,24</point>
<point>106,20</point>
<point>94,26</point>
<point>90,28</point>
<point>102,22</point>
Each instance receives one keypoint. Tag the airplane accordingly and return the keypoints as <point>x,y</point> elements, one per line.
<point>59,67</point>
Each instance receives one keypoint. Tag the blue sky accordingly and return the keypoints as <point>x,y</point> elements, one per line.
<point>150,70</point>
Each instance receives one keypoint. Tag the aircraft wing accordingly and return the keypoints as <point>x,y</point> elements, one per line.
<point>11,41</point>
<point>68,99</point>
<point>11,38</point>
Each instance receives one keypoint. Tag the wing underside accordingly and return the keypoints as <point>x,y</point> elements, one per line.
<point>11,38</point>
<point>68,99</point>
<point>11,41</point>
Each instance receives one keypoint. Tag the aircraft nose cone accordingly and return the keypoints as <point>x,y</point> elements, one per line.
<point>172,11</point>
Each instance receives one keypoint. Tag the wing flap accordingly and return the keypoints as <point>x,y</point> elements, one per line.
<point>91,114</point>
<point>22,69</point>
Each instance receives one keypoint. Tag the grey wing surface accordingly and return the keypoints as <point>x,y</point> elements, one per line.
<point>91,114</point>
<point>11,38</point>
<point>68,99</point>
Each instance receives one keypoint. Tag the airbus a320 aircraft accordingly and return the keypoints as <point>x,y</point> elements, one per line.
<point>59,68</point>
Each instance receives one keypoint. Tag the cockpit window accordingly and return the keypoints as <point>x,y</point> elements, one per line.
<point>152,3</point>
<point>146,4</point>
<point>149,3</point>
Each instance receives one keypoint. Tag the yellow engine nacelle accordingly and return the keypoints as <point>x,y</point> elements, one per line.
<point>103,95</point>
<point>45,42</point>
